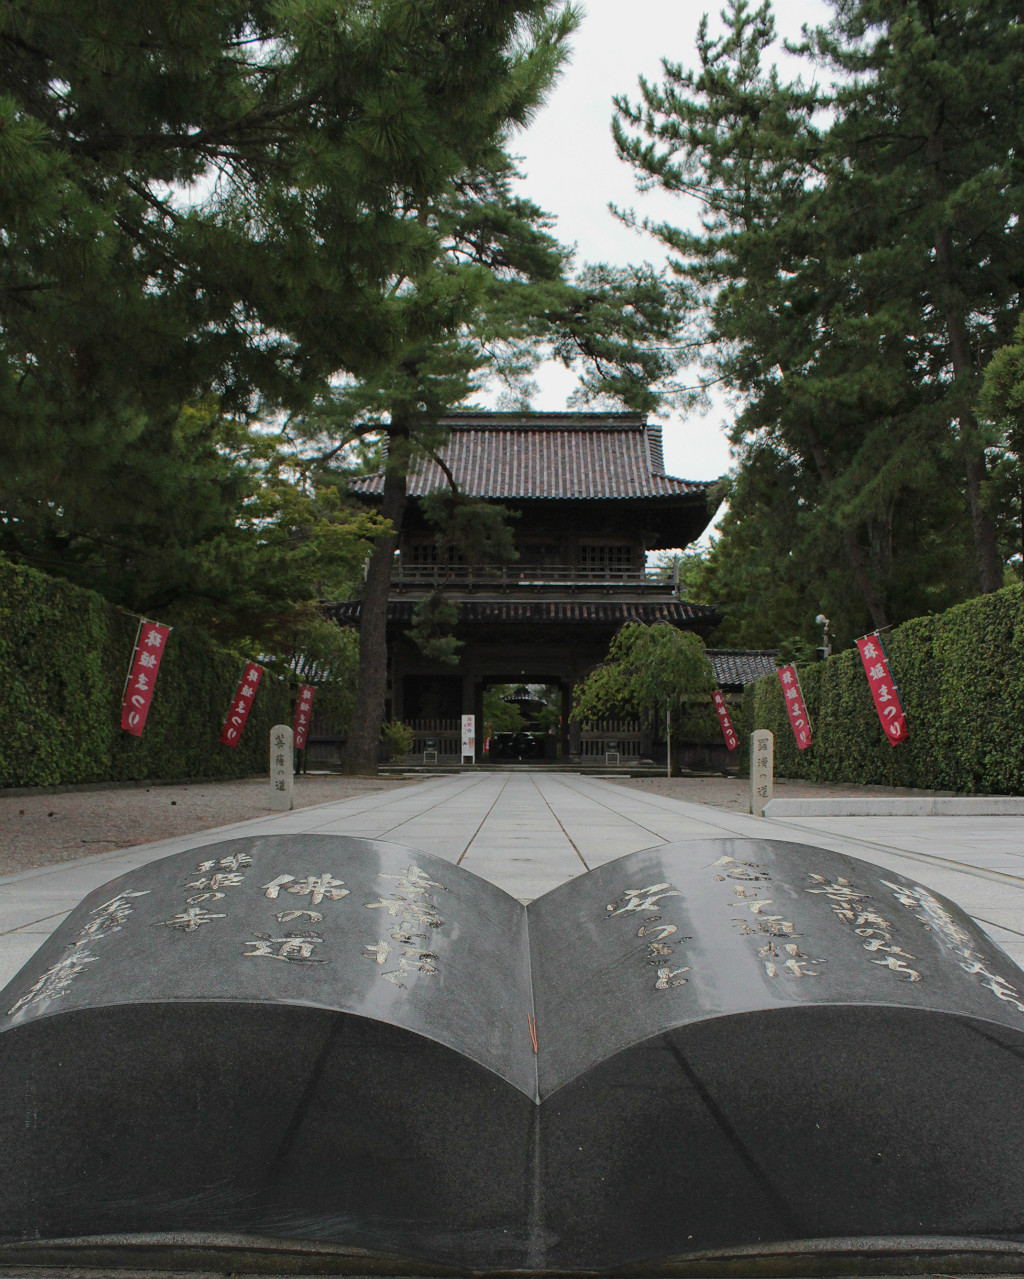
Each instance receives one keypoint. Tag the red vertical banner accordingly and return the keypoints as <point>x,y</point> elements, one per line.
<point>241,704</point>
<point>798,718</point>
<point>138,688</point>
<point>303,708</point>
<point>728,732</point>
<point>883,688</point>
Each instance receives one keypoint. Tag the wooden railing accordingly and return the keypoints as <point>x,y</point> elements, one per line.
<point>444,734</point>
<point>522,575</point>
<point>598,738</point>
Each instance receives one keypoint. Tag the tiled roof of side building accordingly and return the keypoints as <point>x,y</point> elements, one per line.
<point>548,455</point>
<point>741,666</point>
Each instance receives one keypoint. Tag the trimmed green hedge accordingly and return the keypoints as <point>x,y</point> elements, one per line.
<point>961,680</point>
<point>64,656</point>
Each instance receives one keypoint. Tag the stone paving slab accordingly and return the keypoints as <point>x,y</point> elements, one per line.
<point>530,832</point>
<point>978,862</point>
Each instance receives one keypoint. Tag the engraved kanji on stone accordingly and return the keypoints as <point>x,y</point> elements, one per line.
<point>749,872</point>
<point>415,882</point>
<point>421,964</point>
<point>424,913</point>
<point>798,964</point>
<point>658,931</point>
<point>930,911</point>
<point>405,938</point>
<point>112,915</point>
<point>638,899</point>
<point>292,948</point>
<point>189,920</point>
<point>222,879</point>
<point>896,964</point>
<point>316,887</point>
<point>56,980</point>
<point>841,890</point>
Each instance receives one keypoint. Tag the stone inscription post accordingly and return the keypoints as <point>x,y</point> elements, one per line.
<point>762,764</point>
<point>282,769</point>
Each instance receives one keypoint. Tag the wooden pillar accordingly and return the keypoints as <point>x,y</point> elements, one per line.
<point>478,711</point>
<point>574,730</point>
<point>397,686</point>
<point>565,690</point>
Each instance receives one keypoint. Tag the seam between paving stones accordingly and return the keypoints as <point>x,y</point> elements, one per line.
<point>802,834</point>
<point>490,810</point>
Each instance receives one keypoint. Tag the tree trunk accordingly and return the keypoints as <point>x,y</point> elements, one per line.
<point>853,551</point>
<point>986,547</point>
<point>368,713</point>
<point>972,449</point>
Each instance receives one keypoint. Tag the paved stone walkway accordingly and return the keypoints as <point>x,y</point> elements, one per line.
<point>529,832</point>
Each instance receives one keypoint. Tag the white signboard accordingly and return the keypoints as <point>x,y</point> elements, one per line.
<point>468,738</point>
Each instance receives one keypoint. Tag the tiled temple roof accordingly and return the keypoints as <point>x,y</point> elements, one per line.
<point>741,666</point>
<point>566,456</point>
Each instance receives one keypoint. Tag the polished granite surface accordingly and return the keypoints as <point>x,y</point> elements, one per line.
<point>341,1042</point>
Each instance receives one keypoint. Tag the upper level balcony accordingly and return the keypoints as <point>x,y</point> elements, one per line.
<point>547,578</point>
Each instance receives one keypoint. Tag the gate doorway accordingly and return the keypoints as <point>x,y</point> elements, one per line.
<point>522,723</point>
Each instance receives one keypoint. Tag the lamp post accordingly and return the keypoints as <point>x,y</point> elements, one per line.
<point>826,640</point>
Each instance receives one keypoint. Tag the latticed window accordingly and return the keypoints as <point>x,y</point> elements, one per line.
<point>538,552</point>
<point>606,557</point>
<point>427,555</point>
<point>421,554</point>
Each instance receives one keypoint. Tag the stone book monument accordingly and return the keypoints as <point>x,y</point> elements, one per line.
<point>331,1053</point>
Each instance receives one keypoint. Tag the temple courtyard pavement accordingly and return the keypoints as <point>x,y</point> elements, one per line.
<point>528,832</point>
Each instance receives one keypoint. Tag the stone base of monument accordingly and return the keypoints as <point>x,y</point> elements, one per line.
<point>336,1055</point>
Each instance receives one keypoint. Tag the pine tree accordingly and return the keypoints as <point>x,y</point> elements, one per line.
<point>1001,402</point>
<point>822,298</point>
<point>929,128</point>
<point>746,146</point>
<point>230,204</point>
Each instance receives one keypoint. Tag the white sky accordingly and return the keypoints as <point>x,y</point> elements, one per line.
<point>571,170</point>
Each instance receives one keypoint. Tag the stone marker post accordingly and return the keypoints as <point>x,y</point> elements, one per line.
<point>282,769</point>
<point>762,764</point>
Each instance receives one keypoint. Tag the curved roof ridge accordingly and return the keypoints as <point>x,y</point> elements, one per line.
<point>577,457</point>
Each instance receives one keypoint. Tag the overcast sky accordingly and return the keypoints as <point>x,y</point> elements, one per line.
<point>571,170</point>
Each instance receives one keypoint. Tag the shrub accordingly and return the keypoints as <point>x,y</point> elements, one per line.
<point>396,738</point>
<point>64,657</point>
<point>961,679</point>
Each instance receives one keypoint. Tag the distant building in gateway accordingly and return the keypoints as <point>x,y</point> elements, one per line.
<point>592,499</point>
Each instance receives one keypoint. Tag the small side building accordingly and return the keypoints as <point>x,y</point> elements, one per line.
<point>592,499</point>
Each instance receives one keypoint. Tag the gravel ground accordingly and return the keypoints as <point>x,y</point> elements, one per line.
<point>44,830</point>
<point>41,830</point>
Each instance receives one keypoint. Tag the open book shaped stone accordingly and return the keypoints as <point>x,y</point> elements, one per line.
<point>308,1052</point>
